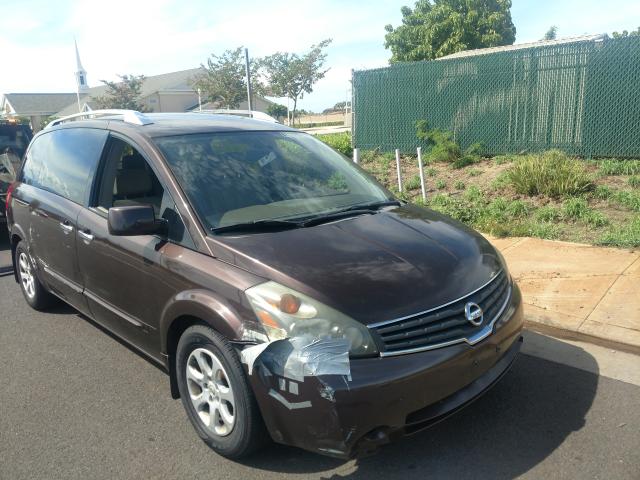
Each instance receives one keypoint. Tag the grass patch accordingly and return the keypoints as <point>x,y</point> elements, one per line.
<point>441,184</point>
<point>551,173</point>
<point>626,235</point>
<point>619,167</point>
<point>413,183</point>
<point>634,181</point>
<point>459,185</point>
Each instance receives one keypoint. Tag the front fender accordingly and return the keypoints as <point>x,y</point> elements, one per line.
<point>206,306</point>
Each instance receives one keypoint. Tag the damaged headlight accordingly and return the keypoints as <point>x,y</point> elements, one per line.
<point>285,313</point>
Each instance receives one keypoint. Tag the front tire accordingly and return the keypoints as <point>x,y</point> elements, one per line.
<point>216,395</point>
<point>34,293</point>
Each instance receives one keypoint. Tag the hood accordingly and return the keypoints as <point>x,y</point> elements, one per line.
<point>371,267</point>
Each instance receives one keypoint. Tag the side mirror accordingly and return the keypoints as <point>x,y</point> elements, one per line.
<point>135,220</point>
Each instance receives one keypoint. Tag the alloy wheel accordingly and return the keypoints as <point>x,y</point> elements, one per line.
<point>26,275</point>
<point>210,392</point>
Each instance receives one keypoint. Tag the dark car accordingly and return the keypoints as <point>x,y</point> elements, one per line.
<point>287,293</point>
<point>14,139</point>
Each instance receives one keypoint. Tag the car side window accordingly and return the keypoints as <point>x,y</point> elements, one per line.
<point>64,162</point>
<point>128,179</point>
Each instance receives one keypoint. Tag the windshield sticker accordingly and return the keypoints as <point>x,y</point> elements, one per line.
<point>267,159</point>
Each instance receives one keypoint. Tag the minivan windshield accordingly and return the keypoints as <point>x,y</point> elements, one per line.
<point>246,177</point>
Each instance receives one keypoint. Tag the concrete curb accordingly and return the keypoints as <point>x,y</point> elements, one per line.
<point>573,335</point>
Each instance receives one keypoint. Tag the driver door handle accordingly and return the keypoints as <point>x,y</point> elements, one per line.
<point>86,236</point>
<point>66,227</point>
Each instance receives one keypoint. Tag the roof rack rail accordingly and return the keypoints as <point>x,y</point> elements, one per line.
<point>243,113</point>
<point>128,116</point>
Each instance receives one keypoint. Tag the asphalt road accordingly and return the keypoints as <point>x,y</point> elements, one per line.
<point>76,403</point>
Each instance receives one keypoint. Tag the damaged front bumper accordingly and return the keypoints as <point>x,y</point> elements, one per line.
<point>346,408</point>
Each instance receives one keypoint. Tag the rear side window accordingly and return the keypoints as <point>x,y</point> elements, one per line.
<point>64,161</point>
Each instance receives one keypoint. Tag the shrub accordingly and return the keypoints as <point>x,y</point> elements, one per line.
<point>338,141</point>
<point>602,192</point>
<point>575,208</point>
<point>443,147</point>
<point>430,172</point>
<point>441,184</point>
<point>459,185</point>
<point>413,183</point>
<point>551,173</point>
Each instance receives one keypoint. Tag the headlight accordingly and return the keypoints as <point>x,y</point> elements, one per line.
<point>286,313</point>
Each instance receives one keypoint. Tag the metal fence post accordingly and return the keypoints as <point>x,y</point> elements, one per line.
<point>424,190</point>
<point>398,169</point>
<point>356,156</point>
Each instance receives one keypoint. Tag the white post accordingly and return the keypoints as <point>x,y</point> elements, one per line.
<point>356,156</point>
<point>424,190</point>
<point>398,169</point>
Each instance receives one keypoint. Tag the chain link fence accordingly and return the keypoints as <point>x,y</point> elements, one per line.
<point>582,97</point>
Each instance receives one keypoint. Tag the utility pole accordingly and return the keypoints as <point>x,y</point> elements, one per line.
<point>248,70</point>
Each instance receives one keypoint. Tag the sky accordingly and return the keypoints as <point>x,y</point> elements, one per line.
<point>160,36</point>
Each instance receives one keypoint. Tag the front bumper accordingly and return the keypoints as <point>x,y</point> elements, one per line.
<point>385,398</point>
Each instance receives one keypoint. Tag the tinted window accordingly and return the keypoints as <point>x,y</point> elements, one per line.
<point>63,161</point>
<point>128,179</point>
<point>14,139</point>
<point>247,176</point>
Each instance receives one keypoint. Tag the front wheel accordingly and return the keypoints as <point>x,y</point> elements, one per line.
<point>216,395</point>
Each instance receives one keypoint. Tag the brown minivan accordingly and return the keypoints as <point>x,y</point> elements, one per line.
<point>286,292</point>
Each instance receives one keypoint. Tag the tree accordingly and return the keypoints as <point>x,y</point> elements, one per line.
<point>277,111</point>
<point>625,33</point>
<point>223,79</point>
<point>123,94</point>
<point>435,28</point>
<point>291,75</point>
<point>551,33</point>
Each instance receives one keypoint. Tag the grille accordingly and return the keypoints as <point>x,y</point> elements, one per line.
<point>448,324</point>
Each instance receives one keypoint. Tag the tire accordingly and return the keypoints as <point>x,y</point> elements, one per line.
<point>34,293</point>
<point>236,428</point>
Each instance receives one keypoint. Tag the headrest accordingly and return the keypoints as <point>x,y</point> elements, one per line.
<point>133,183</point>
<point>133,162</point>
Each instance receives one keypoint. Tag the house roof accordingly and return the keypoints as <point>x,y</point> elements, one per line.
<point>166,82</point>
<point>521,46</point>
<point>39,103</point>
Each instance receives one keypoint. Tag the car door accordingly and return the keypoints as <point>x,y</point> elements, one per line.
<point>123,276</point>
<point>57,173</point>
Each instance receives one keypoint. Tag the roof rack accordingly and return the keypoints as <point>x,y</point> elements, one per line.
<point>128,116</point>
<point>256,114</point>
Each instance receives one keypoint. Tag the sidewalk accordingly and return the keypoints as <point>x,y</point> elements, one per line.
<point>578,291</point>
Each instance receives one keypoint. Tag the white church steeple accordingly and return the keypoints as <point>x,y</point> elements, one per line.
<point>81,74</point>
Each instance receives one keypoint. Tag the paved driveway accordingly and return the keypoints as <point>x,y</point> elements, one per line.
<point>76,403</point>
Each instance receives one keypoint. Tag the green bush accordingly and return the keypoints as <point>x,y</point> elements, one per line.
<point>459,185</point>
<point>602,192</point>
<point>413,183</point>
<point>430,172</point>
<point>551,173</point>
<point>441,184</point>
<point>444,148</point>
<point>338,141</point>
<point>575,208</point>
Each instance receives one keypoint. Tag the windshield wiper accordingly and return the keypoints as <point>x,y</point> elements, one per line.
<point>257,225</point>
<point>372,206</point>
